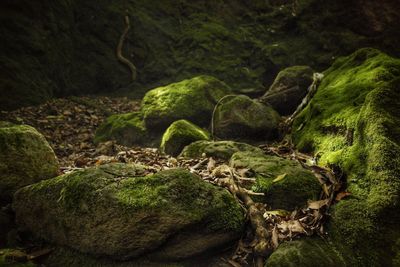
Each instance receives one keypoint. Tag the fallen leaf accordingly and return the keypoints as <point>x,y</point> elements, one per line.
<point>342,195</point>
<point>279,178</point>
<point>316,205</point>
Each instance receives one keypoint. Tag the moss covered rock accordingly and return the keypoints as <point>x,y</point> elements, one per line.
<point>114,210</point>
<point>216,149</point>
<point>289,89</point>
<point>353,121</point>
<point>286,183</point>
<point>127,129</point>
<point>180,134</point>
<point>240,117</point>
<point>193,99</point>
<point>25,158</point>
<point>308,252</point>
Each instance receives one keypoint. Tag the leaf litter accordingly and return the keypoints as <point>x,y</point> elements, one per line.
<point>69,126</point>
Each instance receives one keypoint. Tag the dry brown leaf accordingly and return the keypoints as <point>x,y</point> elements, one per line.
<point>315,205</point>
<point>275,238</point>
<point>342,195</point>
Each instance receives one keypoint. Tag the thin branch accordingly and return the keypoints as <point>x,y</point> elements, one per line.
<point>120,57</point>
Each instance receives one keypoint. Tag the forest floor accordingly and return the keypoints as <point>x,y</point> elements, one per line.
<point>69,125</point>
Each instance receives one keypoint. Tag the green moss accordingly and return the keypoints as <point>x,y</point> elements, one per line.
<point>307,252</point>
<point>94,210</point>
<point>216,149</point>
<point>191,99</point>
<point>127,129</point>
<point>353,122</point>
<point>293,189</point>
<point>25,158</point>
<point>240,117</point>
<point>180,134</point>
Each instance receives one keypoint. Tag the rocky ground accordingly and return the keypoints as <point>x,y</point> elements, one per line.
<point>194,171</point>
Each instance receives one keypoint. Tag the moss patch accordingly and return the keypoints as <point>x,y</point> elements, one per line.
<point>353,122</point>
<point>295,186</point>
<point>127,129</point>
<point>216,149</point>
<point>240,117</point>
<point>191,99</point>
<point>25,158</point>
<point>180,134</point>
<point>94,210</point>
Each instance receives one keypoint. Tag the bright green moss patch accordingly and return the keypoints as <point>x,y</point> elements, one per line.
<point>127,129</point>
<point>180,134</point>
<point>286,183</point>
<point>192,99</point>
<point>353,121</point>
<point>216,149</point>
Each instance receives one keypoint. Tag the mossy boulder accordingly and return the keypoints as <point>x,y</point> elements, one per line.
<point>216,149</point>
<point>307,252</point>
<point>289,89</point>
<point>286,183</point>
<point>116,211</point>
<point>180,134</point>
<point>240,117</point>
<point>25,158</point>
<point>353,122</point>
<point>14,258</point>
<point>192,99</point>
<point>126,129</point>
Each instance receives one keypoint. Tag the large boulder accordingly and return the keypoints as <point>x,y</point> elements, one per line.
<point>193,99</point>
<point>180,134</point>
<point>286,183</point>
<point>289,89</point>
<point>307,252</point>
<point>126,129</point>
<point>353,122</point>
<point>240,117</point>
<point>115,210</point>
<point>216,149</point>
<point>25,158</point>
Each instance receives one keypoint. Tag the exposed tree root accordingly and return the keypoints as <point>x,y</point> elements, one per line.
<point>317,77</point>
<point>120,57</point>
<point>262,236</point>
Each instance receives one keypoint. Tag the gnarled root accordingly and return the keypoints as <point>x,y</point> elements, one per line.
<point>120,57</point>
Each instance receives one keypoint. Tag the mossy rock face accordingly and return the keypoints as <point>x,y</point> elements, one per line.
<point>289,89</point>
<point>353,121</point>
<point>14,258</point>
<point>240,117</point>
<point>180,134</point>
<point>113,210</point>
<point>307,252</point>
<point>25,158</point>
<point>193,99</point>
<point>127,129</point>
<point>286,183</point>
<point>216,149</point>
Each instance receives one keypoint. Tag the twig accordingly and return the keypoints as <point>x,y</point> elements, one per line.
<point>213,115</point>
<point>120,57</point>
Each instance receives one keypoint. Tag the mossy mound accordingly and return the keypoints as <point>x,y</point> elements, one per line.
<point>308,252</point>
<point>289,89</point>
<point>216,149</point>
<point>127,129</point>
<point>286,183</point>
<point>25,158</point>
<point>14,258</point>
<point>240,117</point>
<point>353,121</point>
<point>193,99</point>
<point>180,134</point>
<point>113,210</point>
